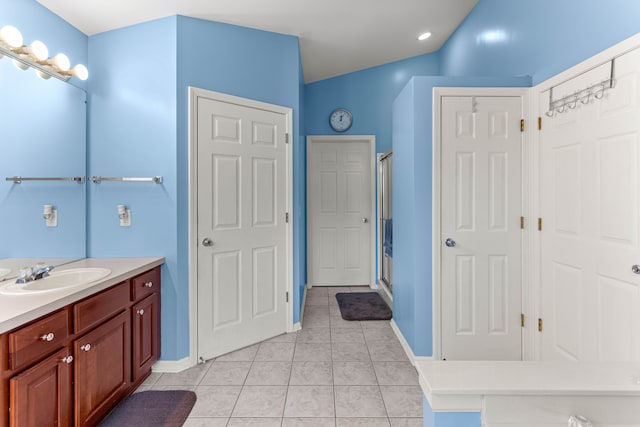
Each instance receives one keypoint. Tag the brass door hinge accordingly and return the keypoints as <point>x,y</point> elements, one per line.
<point>522,319</point>
<point>539,123</point>
<point>521,125</point>
<point>286,217</point>
<point>286,297</point>
<point>539,224</point>
<point>539,325</point>
<point>286,138</point>
<point>522,223</point>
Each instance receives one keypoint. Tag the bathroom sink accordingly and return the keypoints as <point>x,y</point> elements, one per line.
<point>4,272</point>
<point>57,280</point>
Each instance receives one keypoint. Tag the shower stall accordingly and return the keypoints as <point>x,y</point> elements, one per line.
<point>385,225</point>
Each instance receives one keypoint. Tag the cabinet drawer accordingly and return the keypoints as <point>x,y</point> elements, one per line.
<point>98,308</point>
<point>30,343</point>
<point>145,284</point>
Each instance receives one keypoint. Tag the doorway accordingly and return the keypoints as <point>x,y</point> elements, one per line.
<point>341,210</point>
<point>477,222</point>
<point>241,222</point>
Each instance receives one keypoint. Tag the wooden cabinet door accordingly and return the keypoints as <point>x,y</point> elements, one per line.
<point>146,334</point>
<point>102,369</point>
<point>41,396</point>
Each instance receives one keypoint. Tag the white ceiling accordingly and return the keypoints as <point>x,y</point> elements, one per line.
<point>336,36</point>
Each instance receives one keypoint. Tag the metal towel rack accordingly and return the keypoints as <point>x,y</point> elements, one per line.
<point>98,179</point>
<point>19,179</point>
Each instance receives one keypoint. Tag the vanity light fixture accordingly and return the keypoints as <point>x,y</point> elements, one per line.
<point>424,36</point>
<point>36,56</point>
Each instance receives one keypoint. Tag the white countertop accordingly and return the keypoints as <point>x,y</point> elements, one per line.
<point>16,310</point>
<point>462,384</point>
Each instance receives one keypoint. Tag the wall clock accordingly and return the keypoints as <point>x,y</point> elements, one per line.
<point>340,120</point>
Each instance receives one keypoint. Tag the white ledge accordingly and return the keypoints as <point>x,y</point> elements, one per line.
<point>462,385</point>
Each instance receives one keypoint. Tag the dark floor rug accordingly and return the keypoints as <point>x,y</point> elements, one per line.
<point>363,306</point>
<point>153,408</point>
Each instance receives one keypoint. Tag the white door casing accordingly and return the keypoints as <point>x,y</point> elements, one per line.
<point>590,210</point>
<point>341,210</point>
<point>243,192</point>
<point>480,208</point>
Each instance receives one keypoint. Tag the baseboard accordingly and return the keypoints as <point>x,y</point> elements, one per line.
<point>406,347</point>
<point>384,293</point>
<point>172,366</point>
<point>304,302</point>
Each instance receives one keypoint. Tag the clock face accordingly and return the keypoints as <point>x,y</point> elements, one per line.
<point>340,120</point>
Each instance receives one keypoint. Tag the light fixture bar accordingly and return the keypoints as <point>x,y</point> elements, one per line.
<point>33,64</point>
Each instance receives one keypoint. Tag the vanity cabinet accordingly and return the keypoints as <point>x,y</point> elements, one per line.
<point>146,342</point>
<point>73,366</point>
<point>41,395</point>
<point>102,369</point>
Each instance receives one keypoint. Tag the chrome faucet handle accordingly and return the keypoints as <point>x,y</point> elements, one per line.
<point>41,271</point>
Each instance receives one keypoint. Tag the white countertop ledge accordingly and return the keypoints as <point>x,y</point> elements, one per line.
<point>16,310</point>
<point>461,385</point>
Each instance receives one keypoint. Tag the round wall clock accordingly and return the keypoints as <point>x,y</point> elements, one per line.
<point>340,120</point>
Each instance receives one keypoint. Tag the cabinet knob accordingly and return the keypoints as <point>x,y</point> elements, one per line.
<point>85,347</point>
<point>141,311</point>
<point>48,337</point>
<point>149,285</point>
<point>67,359</point>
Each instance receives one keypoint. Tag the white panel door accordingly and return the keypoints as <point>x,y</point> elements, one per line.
<point>590,183</point>
<point>481,207</point>
<point>241,214</point>
<point>339,209</point>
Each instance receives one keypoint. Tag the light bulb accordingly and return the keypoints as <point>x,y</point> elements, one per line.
<point>424,36</point>
<point>11,36</point>
<point>38,50</point>
<point>80,71</point>
<point>61,62</point>
<point>20,65</point>
<point>42,75</point>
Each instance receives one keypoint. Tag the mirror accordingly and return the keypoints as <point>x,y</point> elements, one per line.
<point>42,135</point>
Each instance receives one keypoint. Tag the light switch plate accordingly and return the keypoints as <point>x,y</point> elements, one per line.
<point>126,221</point>
<point>53,220</point>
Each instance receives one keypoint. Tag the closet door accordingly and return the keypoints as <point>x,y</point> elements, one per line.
<point>481,205</point>
<point>590,209</point>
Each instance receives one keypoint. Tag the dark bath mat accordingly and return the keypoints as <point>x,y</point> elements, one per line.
<point>363,306</point>
<point>153,408</point>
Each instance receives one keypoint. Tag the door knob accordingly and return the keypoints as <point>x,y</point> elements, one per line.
<point>207,242</point>
<point>635,269</point>
<point>450,242</point>
<point>365,220</point>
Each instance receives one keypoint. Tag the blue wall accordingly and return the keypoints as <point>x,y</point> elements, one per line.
<point>249,63</point>
<point>412,202</point>
<point>139,127</point>
<point>132,132</point>
<point>449,419</point>
<point>41,120</point>
<point>536,38</point>
<point>368,94</point>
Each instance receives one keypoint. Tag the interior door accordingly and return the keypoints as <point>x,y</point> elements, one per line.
<point>339,210</point>
<point>590,209</point>
<point>481,205</point>
<point>242,234</point>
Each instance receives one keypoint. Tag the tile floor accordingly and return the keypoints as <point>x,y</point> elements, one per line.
<point>333,372</point>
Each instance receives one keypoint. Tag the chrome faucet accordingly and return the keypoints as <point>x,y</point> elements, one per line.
<point>29,274</point>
